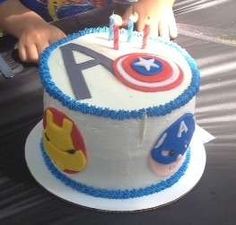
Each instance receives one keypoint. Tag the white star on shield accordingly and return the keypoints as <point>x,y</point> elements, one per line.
<point>147,63</point>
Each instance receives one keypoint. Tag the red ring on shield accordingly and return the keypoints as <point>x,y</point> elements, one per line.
<point>169,78</point>
<point>163,75</point>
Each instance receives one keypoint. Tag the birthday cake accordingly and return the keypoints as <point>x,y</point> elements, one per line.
<point>117,123</point>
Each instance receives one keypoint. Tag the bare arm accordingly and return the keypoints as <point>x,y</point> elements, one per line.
<point>33,32</point>
<point>14,17</point>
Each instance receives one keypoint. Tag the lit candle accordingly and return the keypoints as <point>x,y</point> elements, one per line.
<point>132,19</point>
<point>146,33</point>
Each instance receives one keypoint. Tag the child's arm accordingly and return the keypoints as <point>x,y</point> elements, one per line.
<point>160,14</point>
<point>33,32</point>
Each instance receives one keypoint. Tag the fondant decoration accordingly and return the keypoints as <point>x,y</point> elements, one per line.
<point>146,34</point>
<point>75,71</point>
<point>148,73</point>
<point>63,142</point>
<point>166,170</point>
<point>130,28</point>
<point>147,66</point>
<point>175,140</point>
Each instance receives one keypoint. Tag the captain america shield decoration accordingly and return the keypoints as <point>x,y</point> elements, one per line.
<point>147,72</point>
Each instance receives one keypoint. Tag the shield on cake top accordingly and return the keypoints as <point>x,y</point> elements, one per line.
<point>88,75</point>
<point>147,72</point>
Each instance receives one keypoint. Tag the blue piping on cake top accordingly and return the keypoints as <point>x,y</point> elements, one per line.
<point>85,108</point>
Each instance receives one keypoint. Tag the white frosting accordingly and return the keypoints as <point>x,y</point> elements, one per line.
<point>105,88</point>
<point>118,151</point>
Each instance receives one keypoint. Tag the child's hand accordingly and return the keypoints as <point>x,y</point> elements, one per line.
<point>34,34</point>
<point>158,13</point>
<point>34,38</point>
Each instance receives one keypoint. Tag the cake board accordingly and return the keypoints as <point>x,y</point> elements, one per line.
<point>42,175</point>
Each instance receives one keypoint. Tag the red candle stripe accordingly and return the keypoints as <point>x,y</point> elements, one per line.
<point>116,37</point>
<point>146,33</point>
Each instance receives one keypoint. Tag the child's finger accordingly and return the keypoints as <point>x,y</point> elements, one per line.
<point>164,30</point>
<point>173,28</point>
<point>32,54</point>
<point>22,51</point>
<point>126,16</point>
<point>141,23</point>
<point>173,31</point>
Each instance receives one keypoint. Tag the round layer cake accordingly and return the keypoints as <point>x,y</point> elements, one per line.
<point>117,123</point>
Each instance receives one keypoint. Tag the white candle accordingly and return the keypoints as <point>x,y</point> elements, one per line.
<point>132,19</point>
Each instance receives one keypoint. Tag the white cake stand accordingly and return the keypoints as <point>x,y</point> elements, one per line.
<point>38,168</point>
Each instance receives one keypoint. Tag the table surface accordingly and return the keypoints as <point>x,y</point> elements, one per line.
<point>212,201</point>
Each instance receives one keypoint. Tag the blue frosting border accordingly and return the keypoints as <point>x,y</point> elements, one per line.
<point>114,194</point>
<point>85,108</point>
